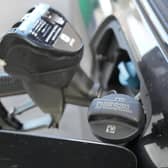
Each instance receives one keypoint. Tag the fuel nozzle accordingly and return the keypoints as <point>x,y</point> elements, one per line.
<point>43,51</point>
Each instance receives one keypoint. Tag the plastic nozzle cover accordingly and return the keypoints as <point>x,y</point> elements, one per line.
<point>43,47</point>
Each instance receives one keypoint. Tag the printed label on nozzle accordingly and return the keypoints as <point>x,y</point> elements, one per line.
<point>67,39</point>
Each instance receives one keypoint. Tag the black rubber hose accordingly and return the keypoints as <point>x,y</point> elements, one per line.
<point>10,120</point>
<point>9,86</point>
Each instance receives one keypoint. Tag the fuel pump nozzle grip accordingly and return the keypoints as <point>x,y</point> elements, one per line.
<point>43,51</point>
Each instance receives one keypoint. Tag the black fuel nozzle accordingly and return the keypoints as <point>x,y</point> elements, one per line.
<point>43,51</point>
